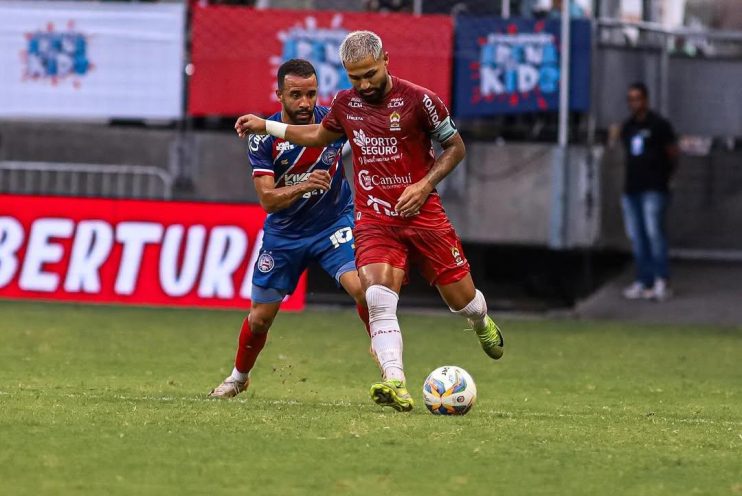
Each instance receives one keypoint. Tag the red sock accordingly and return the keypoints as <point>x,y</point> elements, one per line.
<point>249,348</point>
<point>363,314</point>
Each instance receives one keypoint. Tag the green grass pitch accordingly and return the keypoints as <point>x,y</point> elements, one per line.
<point>106,400</point>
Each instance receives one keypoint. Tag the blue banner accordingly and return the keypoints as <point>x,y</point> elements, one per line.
<point>509,66</point>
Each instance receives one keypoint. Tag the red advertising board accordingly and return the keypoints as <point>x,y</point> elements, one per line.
<point>131,251</point>
<point>236,52</point>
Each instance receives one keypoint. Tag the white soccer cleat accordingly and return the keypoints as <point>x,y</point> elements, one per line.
<point>229,388</point>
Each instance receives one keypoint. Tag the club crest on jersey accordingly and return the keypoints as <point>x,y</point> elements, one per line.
<point>457,256</point>
<point>265,262</point>
<point>394,119</point>
<point>329,156</point>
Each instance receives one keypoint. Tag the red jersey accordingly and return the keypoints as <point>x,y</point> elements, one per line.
<point>391,150</point>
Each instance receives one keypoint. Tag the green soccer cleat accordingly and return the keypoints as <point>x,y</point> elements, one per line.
<point>491,339</point>
<point>392,393</point>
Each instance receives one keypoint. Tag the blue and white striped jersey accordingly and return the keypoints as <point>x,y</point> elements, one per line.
<point>291,164</point>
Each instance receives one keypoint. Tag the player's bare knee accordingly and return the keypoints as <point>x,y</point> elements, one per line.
<point>259,323</point>
<point>382,302</point>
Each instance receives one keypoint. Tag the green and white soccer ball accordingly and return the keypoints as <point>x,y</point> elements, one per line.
<point>449,390</point>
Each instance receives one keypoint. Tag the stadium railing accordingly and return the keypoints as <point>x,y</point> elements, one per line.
<point>96,180</point>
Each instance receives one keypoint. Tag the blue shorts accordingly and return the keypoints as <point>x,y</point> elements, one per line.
<point>282,259</point>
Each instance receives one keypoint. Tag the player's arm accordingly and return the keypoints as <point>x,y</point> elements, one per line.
<point>454,151</point>
<point>306,135</point>
<point>672,150</point>
<point>273,199</point>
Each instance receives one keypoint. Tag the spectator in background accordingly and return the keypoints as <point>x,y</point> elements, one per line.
<point>553,9</point>
<point>388,5</point>
<point>651,159</point>
<point>576,11</point>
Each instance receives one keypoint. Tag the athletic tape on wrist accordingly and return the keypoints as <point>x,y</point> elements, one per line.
<point>277,129</point>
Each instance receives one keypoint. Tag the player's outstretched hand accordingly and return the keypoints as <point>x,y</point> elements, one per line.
<point>249,124</point>
<point>318,180</point>
<point>412,198</point>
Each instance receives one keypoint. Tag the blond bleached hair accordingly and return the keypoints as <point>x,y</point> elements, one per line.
<point>360,44</point>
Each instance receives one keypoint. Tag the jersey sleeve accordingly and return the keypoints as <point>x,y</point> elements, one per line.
<point>331,121</point>
<point>437,120</point>
<point>259,151</point>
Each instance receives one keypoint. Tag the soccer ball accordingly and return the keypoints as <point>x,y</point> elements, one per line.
<point>449,390</point>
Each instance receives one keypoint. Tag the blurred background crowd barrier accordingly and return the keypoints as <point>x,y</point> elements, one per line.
<point>137,100</point>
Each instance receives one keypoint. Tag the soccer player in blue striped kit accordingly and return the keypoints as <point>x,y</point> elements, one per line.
<point>310,218</point>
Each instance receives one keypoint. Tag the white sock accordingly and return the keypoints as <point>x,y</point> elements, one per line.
<point>475,311</point>
<point>386,337</point>
<point>239,376</point>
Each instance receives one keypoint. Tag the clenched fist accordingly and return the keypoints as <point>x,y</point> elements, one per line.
<point>317,180</point>
<point>249,124</point>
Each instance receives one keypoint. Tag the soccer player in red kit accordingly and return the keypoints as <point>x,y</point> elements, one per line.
<point>400,221</point>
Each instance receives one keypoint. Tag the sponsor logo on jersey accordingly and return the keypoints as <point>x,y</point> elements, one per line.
<point>285,146</point>
<point>394,119</point>
<point>265,262</point>
<point>369,181</point>
<point>396,103</point>
<point>355,103</point>
<point>432,112</point>
<point>254,141</point>
<point>292,179</point>
<point>372,145</point>
<point>380,206</point>
<point>352,117</point>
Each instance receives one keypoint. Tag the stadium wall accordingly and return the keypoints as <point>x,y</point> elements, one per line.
<point>696,94</point>
<point>500,194</point>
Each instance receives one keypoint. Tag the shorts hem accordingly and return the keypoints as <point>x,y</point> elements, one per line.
<point>268,295</point>
<point>384,261</point>
<point>450,277</point>
<point>344,269</point>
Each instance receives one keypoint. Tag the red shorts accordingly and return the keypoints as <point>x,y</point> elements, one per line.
<point>437,253</point>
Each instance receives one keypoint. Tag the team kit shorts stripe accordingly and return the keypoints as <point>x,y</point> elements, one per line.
<point>436,253</point>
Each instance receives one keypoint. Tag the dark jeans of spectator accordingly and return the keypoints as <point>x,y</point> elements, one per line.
<point>644,218</point>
